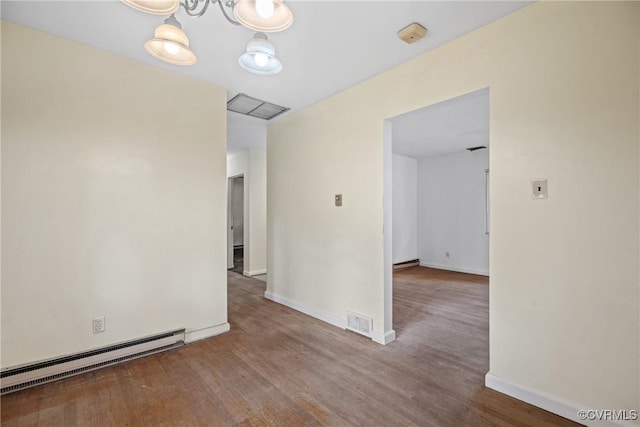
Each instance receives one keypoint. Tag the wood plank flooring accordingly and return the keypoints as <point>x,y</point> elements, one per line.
<point>278,367</point>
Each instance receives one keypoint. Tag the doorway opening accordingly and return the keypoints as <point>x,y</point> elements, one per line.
<point>235,228</point>
<point>436,211</point>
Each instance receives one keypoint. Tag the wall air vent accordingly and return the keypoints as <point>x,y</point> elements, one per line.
<point>363,325</point>
<point>479,147</point>
<point>254,107</point>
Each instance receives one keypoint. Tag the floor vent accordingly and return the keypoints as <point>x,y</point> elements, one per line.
<point>21,377</point>
<point>360,324</point>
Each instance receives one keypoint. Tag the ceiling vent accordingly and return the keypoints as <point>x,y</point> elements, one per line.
<point>254,107</point>
<point>412,33</point>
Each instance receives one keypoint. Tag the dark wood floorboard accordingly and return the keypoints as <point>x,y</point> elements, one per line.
<point>278,367</point>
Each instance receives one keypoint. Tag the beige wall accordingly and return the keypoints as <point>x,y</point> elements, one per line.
<point>564,91</point>
<point>113,173</point>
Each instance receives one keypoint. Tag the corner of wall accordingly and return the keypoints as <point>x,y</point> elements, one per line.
<point>206,332</point>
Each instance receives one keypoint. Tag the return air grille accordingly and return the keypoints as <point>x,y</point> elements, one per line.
<point>21,377</point>
<point>359,323</point>
<point>254,107</point>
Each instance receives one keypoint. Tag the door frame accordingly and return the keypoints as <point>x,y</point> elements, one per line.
<point>230,228</point>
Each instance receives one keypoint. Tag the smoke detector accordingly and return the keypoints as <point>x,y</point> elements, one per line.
<point>412,33</point>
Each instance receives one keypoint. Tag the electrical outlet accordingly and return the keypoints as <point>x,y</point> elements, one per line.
<point>98,324</point>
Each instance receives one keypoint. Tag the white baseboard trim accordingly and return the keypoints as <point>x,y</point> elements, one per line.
<point>254,272</point>
<point>385,338</point>
<point>454,268</point>
<point>202,333</point>
<point>534,397</point>
<point>545,401</point>
<point>342,324</point>
<point>378,337</point>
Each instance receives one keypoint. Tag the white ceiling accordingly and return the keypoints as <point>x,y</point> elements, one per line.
<point>331,45</point>
<point>447,127</point>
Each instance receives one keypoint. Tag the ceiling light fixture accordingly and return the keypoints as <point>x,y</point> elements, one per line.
<point>266,16</point>
<point>260,57</point>
<point>265,8</point>
<point>154,7</point>
<point>170,44</point>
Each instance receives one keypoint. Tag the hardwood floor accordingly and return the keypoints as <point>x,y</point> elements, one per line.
<point>278,367</point>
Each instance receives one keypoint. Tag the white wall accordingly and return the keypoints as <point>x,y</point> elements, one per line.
<point>1,175</point>
<point>253,165</point>
<point>258,210</point>
<point>405,208</point>
<point>565,281</point>
<point>113,173</point>
<point>452,212</point>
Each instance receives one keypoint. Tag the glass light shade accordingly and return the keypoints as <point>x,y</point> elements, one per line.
<point>171,48</point>
<point>171,45</point>
<point>260,57</point>
<point>265,8</point>
<point>246,13</point>
<point>154,7</point>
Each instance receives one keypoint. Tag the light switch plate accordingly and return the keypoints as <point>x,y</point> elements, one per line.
<point>338,199</point>
<point>539,189</point>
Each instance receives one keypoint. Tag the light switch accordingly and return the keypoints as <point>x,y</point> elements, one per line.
<point>539,189</point>
<point>338,199</point>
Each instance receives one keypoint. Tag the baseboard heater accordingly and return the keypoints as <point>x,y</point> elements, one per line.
<point>406,264</point>
<point>25,376</point>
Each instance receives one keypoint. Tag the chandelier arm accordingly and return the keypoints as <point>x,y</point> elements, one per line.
<point>191,6</point>
<point>224,12</point>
